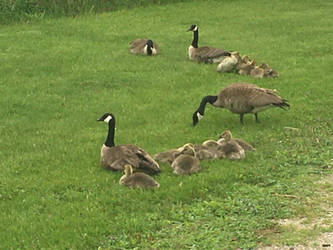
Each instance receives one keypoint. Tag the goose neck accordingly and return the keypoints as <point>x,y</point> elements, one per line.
<point>109,142</point>
<point>195,38</point>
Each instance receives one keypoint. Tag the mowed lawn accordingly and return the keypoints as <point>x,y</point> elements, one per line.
<point>57,77</point>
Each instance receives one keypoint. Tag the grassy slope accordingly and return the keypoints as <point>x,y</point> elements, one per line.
<point>59,76</point>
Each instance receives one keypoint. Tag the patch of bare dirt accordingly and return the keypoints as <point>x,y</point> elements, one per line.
<point>325,240</point>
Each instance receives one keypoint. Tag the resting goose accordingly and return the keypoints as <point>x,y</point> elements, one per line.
<point>231,149</point>
<point>227,136</point>
<point>229,63</point>
<point>241,98</point>
<point>144,46</point>
<point>186,163</point>
<point>137,180</point>
<point>204,54</point>
<point>115,157</point>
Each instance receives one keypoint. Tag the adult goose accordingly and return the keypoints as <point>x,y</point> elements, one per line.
<point>116,157</point>
<point>144,46</point>
<point>241,98</point>
<point>204,54</point>
<point>227,136</point>
<point>137,180</point>
<point>186,163</point>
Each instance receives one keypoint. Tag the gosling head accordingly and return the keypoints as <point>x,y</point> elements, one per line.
<point>107,117</point>
<point>226,135</point>
<point>187,149</point>
<point>193,27</point>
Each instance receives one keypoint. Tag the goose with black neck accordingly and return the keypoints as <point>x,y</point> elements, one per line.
<point>204,54</point>
<point>116,157</point>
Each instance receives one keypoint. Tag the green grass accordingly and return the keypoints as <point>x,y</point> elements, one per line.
<point>59,75</point>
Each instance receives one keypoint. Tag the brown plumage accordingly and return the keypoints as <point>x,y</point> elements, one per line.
<point>230,148</point>
<point>229,63</point>
<point>186,163</point>
<point>204,54</point>
<point>257,72</point>
<point>242,98</point>
<point>166,156</point>
<point>137,180</point>
<point>246,68</point>
<point>116,157</point>
<point>144,46</point>
<point>227,136</point>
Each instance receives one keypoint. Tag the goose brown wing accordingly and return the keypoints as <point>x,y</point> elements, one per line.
<point>146,163</point>
<point>260,97</point>
<point>209,52</point>
<point>138,43</point>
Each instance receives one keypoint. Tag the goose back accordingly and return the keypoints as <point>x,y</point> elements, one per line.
<point>138,46</point>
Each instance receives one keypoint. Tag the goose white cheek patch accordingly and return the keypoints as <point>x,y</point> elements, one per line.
<point>145,49</point>
<point>199,116</point>
<point>107,119</point>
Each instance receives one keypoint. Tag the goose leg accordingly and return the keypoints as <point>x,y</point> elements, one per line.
<point>256,116</point>
<point>241,118</point>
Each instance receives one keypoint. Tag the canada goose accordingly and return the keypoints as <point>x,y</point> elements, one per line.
<point>210,143</point>
<point>115,157</point>
<point>204,54</point>
<point>137,180</point>
<point>268,71</point>
<point>227,136</point>
<point>166,156</point>
<point>246,68</point>
<point>229,63</point>
<point>241,98</point>
<point>257,72</point>
<point>202,152</point>
<point>186,162</point>
<point>230,148</point>
<point>144,46</point>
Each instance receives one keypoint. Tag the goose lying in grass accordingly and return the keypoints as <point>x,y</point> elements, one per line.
<point>116,157</point>
<point>137,180</point>
<point>144,46</point>
<point>241,98</point>
<point>186,163</point>
<point>204,54</point>
<point>229,63</point>
<point>166,156</point>
<point>230,148</point>
<point>227,136</point>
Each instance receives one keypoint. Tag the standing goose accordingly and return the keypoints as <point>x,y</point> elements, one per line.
<point>186,162</point>
<point>227,136</point>
<point>241,98</point>
<point>144,46</point>
<point>115,157</point>
<point>204,54</point>
<point>137,180</point>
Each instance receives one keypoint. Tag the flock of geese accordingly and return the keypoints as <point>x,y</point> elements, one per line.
<point>239,98</point>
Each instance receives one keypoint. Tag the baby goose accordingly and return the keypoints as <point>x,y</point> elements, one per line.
<point>186,163</point>
<point>166,156</point>
<point>230,148</point>
<point>226,135</point>
<point>229,63</point>
<point>137,180</point>
<point>257,72</point>
<point>245,69</point>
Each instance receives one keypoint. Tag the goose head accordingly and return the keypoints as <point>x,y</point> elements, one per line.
<point>187,149</point>
<point>149,48</point>
<point>193,27</point>
<point>226,136</point>
<point>107,117</point>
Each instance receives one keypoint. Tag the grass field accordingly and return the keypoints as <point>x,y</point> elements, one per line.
<point>59,75</point>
